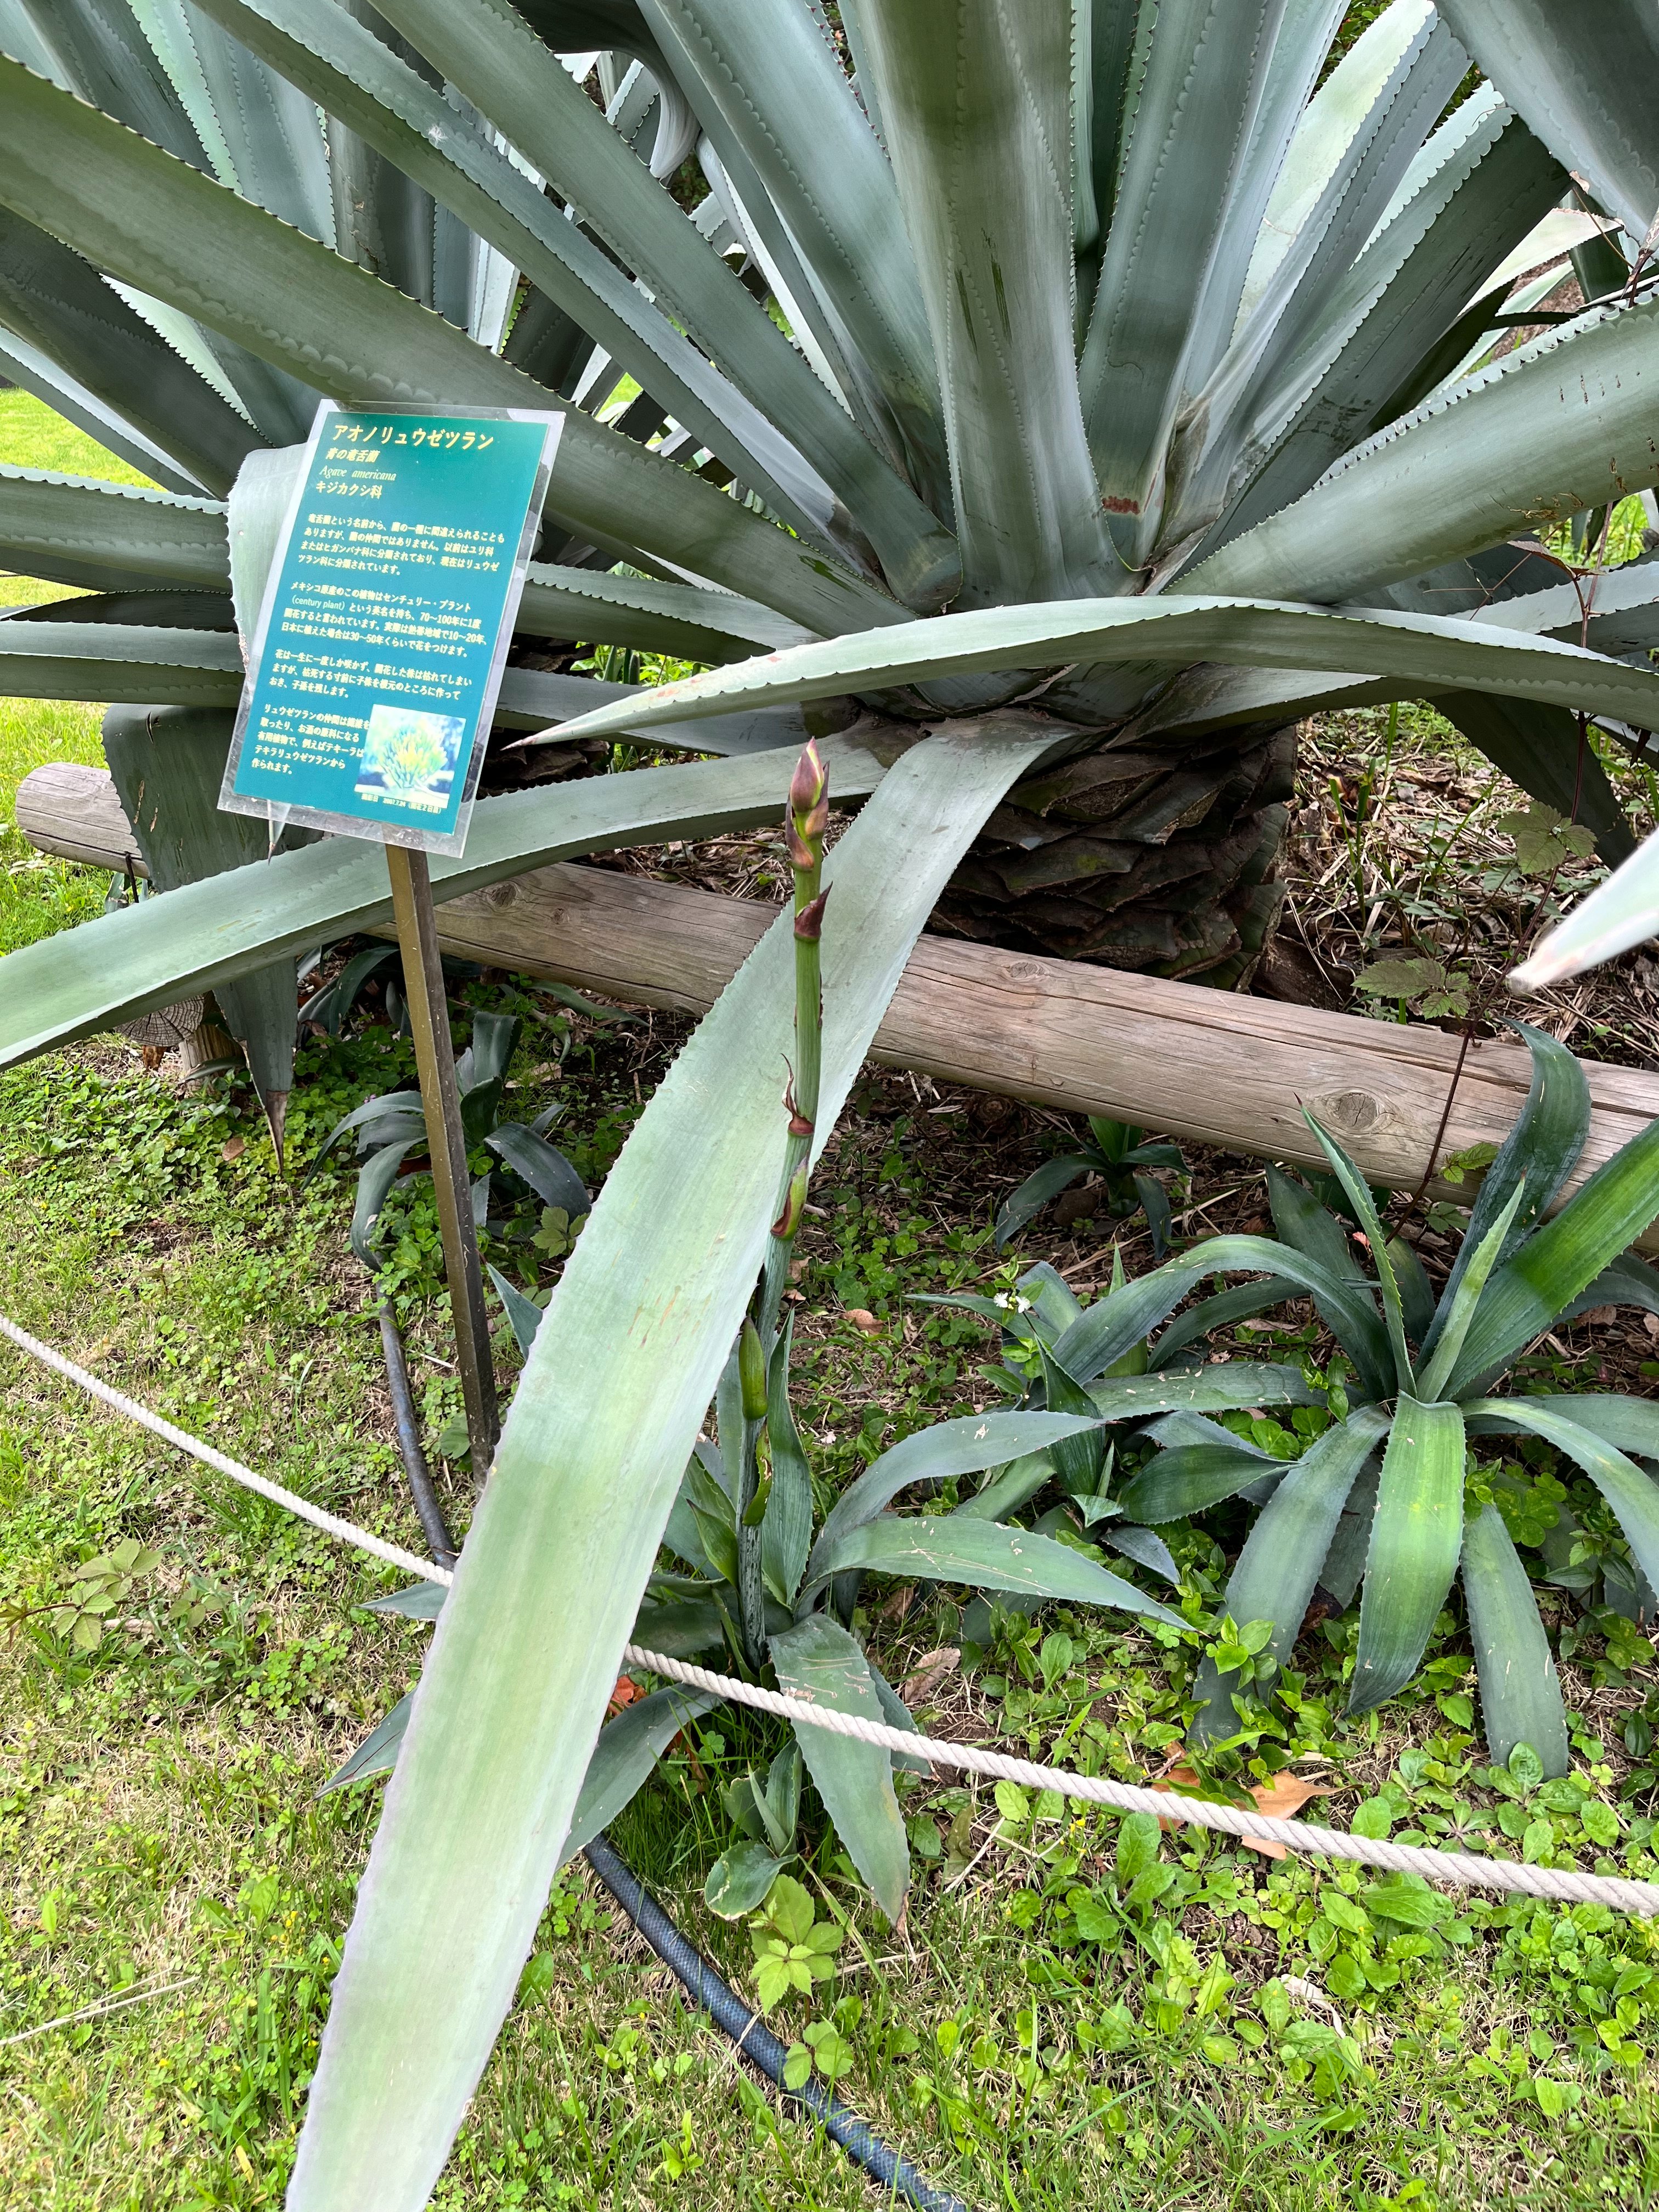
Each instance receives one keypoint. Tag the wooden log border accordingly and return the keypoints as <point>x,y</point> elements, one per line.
<point>1204,1066</point>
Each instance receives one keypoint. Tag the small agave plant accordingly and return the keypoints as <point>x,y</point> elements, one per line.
<point>1115,1152</point>
<point>1381,1495</point>
<point>392,1125</point>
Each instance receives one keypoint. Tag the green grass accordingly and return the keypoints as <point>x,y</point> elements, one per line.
<point>39,895</point>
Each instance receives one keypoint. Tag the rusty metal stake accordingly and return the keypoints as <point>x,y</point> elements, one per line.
<point>435,1063</point>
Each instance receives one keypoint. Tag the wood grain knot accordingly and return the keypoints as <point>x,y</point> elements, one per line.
<point>1351,1113</point>
<point>500,895</point>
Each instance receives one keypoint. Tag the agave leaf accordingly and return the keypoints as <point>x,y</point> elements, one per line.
<point>1187,132</point>
<point>1416,1540</point>
<point>1628,1282</point>
<point>1221,1312</point>
<point>259,132</point>
<point>1311,1228</point>
<point>105,57</point>
<point>1563,1258</point>
<point>1629,1425</point>
<point>152,954</point>
<point>34,371</point>
<point>898,1714</point>
<point>1416,1298</point>
<point>1054,1301</point>
<point>1280,1562</point>
<point>1326,132</point>
<point>1300,48</point>
<point>1340,195</point>
<point>1113,1323</point>
<point>1220,1389</point>
<point>1155,1205</point>
<point>1461,1303</point>
<point>1187,1479</point>
<point>1620,913</point>
<point>625,1756</point>
<point>114,537</point>
<point>933,1455</point>
<point>1034,1193</point>
<point>1617,611</point>
<point>1171,627</point>
<point>420,1601</point>
<point>1538,747</point>
<point>989,213</point>
<point>1143,1546</point>
<point>167,769</point>
<point>770,87</point>
<point>1535,1159</point>
<point>966,1549</point>
<point>582,604</point>
<point>1520,1693</point>
<point>53,299</point>
<point>349,72</point>
<point>619,1377</point>
<point>1487,182</point>
<point>109,537</point>
<point>524,1314</point>
<point>818,1658</point>
<point>1582,84</point>
<point>487,50</point>
<point>374,1179</point>
<point>1632,1496</point>
<point>786,1529</point>
<point>1522,445</point>
<point>1079,1454</point>
<point>1359,1197</point>
<point>154,223</point>
<point>378,1753</point>
<point>1008,1488</point>
<point>545,1169</point>
<point>127,662</point>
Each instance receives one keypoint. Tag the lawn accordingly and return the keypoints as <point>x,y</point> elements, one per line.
<point>37,894</point>
<point>1058,2023</point>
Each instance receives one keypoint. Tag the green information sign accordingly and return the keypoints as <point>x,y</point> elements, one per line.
<point>374,669</point>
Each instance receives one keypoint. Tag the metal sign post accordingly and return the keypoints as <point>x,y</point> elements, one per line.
<point>383,629</point>
<point>435,1067</point>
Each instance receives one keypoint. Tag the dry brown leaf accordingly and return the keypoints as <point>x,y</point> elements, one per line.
<point>233,1148</point>
<point>861,1318</point>
<point>1650,1322</point>
<point>929,1672</point>
<point>1600,1317</point>
<point>1281,1799</point>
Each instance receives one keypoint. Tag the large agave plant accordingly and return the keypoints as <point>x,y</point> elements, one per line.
<point>1097,325</point>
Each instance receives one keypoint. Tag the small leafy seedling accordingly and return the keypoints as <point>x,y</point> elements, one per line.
<point>793,1947</point>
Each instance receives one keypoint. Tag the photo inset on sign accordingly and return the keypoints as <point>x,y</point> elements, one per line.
<point>409,758</point>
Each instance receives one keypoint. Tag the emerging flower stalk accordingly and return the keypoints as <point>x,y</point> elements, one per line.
<point>805,820</point>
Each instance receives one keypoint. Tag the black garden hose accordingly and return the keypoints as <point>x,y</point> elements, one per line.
<point>434,1526</point>
<point>897,2177</point>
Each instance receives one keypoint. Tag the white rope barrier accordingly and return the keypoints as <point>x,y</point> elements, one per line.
<point>1463,1870</point>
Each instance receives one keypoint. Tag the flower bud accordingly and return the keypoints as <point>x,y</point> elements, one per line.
<point>809,922</point>
<point>809,789</point>
<point>752,1372</point>
<point>794,1205</point>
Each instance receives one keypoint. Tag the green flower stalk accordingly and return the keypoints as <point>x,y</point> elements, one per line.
<point>805,823</point>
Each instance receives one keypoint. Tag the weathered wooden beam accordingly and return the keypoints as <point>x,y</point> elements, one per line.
<point>1202,1065</point>
<point>1205,1065</point>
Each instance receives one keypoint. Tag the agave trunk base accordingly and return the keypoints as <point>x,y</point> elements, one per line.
<point>1157,858</point>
